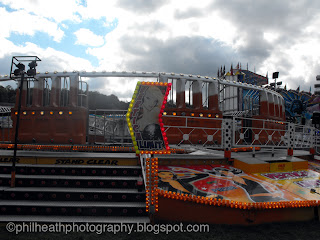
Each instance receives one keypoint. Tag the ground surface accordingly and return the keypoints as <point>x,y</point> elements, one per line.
<point>285,231</point>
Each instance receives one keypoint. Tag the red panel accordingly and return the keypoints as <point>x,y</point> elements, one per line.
<point>55,99</point>
<point>197,100</point>
<point>180,98</point>
<point>45,127</point>
<point>213,102</point>
<point>271,109</point>
<point>264,109</point>
<point>37,97</point>
<point>73,96</point>
<point>277,113</point>
<point>5,134</point>
<point>23,97</point>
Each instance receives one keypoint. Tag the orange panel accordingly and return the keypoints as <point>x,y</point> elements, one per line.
<point>177,210</point>
<point>299,165</point>
<point>251,168</point>
<point>60,128</point>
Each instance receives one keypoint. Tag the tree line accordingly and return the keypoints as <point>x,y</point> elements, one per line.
<point>100,101</point>
<point>7,94</point>
<point>96,100</point>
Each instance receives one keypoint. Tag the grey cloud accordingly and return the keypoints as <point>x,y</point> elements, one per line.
<point>195,55</point>
<point>288,19</point>
<point>151,26</point>
<point>295,82</point>
<point>284,64</point>
<point>5,64</point>
<point>286,15</point>
<point>95,84</point>
<point>142,6</point>
<point>124,95</point>
<point>256,49</point>
<point>189,13</point>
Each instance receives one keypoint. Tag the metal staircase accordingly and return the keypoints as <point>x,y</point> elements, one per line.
<point>72,193</point>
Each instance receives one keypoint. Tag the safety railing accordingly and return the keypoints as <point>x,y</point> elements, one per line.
<point>5,124</point>
<point>272,134</point>
<point>108,127</point>
<point>143,158</point>
<point>304,136</point>
<point>194,130</point>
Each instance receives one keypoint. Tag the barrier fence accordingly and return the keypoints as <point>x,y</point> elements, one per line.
<point>5,124</point>
<point>193,130</point>
<point>275,134</point>
<point>110,127</point>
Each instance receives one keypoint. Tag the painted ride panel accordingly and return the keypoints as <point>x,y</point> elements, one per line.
<point>221,194</point>
<point>222,182</point>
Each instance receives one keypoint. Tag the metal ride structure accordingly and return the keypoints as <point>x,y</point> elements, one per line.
<point>201,112</point>
<point>195,103</point>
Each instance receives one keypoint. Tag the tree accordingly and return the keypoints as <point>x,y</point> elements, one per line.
<point>101,101</point>
<point>96,100</point>
<point>3,94</point>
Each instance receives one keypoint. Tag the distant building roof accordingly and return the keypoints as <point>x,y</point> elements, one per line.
<point>253,78</point>
<point>247,76</point>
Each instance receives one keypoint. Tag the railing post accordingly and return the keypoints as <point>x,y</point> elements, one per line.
<point>227,137</point>
<point>233,133</point>
<point>291,139</point>
<point>180,94</point>
<point>56,91</point>
<point>95,126</point>
<point>312,141</point>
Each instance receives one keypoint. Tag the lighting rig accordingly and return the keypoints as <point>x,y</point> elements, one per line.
<point>17,72</point>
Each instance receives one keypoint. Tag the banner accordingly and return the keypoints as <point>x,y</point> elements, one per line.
<point>144,117</point>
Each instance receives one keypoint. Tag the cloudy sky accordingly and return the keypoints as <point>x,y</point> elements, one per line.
<point>182,36</point>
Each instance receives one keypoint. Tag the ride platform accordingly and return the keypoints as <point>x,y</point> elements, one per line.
<point>201,186</point>
<point>269,187</point>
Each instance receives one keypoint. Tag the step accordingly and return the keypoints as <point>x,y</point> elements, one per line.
<point>84,208</point>
<point>70,158</point>
<point>69,204</point>
<point>33,153</point>
<point>70,181</point>
<point>78,170</point>
<point>70,166</point>
<point>67,177</point>
<point>73,219</point>
<point>77,190</point>
<point>72,194</point>
<point>71,191</point>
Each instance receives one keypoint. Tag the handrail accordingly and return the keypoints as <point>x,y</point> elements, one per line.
<point>143,158</point>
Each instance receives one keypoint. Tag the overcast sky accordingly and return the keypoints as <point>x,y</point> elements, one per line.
<point>182,36</point>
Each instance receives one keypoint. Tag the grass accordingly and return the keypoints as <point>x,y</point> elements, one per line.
<point>281,231</point>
